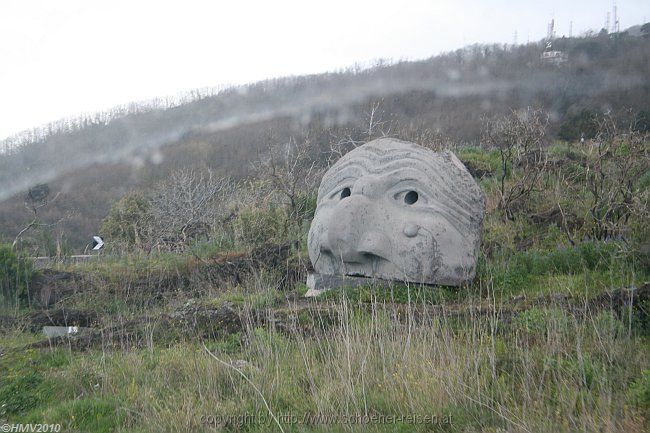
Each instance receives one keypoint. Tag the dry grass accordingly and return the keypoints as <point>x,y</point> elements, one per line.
<point>545,370</point>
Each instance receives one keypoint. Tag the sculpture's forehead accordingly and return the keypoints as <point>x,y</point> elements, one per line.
<point>387,156</point>
<point>383,152</point>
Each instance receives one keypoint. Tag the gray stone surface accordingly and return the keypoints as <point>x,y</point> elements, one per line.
<point>394,210</point>
<point>63,331</point>
<point>319,283</point>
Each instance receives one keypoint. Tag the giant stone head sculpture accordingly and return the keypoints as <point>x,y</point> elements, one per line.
<point>394,210</point>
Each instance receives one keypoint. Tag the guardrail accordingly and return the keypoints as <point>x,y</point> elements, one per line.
<point>49,262</point>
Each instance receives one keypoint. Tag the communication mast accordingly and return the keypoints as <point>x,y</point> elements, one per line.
<point>550,34</point>
<point>616,28</point>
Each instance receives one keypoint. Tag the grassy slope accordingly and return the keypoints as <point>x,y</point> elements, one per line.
<point>506,353</point>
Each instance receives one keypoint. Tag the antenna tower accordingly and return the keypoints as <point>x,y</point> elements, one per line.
<point>550,34</point>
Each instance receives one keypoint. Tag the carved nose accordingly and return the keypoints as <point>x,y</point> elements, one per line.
<point>352,235</point>
<point>374,244</point>
<point>370,186</point>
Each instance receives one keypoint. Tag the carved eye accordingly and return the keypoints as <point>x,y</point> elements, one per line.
<point>345,193</point>
<point>411,197</point>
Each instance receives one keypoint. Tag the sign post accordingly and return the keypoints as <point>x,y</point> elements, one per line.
<point>98,243</point>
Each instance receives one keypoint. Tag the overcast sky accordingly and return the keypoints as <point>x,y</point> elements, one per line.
<point>59,58</point>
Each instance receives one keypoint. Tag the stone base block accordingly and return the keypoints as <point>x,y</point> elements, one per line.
<point>319,283</point>
<point>63,331</point>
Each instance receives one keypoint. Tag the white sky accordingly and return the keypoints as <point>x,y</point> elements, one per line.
<point>59,58</point>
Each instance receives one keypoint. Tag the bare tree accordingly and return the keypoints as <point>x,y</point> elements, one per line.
<point>36,198</point>
<point>375,125</point>
<point>617,159</point>
<point>290,170</point>
<point>186,205</point>
<point>520,138</point>
<point>424,136</point>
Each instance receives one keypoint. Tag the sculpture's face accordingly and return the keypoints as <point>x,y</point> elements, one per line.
<point>392,210</point>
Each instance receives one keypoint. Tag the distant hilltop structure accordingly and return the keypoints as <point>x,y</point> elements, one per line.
<point>549,55</point>
<point>557,57</point>
<point>554,57</point>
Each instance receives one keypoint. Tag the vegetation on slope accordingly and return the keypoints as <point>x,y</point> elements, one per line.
<point>94,161</point>
<point>209,332</point>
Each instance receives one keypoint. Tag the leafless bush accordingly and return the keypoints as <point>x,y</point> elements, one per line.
<point>185,207</point>
<point>424,136</point>
<point>520,138</point>
<point>375,125</point>
<point>618,157</point>
<point>288,169</point>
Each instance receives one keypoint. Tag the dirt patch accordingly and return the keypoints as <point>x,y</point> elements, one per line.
<point>7,322</point>
<point>51,286</point>
<point>61,317</point>
<point>477,170</point>
<point>632,301</point>
<point>557,216</point>
<point>232,268</point>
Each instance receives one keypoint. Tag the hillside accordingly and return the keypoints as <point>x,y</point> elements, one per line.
<point>94,161</point>
<point>195,315</point>
<point>551,336</point>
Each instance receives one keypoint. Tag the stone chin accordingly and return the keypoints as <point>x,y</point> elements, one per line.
<point>394,210</point>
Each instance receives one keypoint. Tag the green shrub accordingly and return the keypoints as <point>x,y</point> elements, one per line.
<point>87,414</point>
<point>306,206</point>
<point>641,320</point>
<point>229,344</point>
<point>584,371</point>
<point>583,124</point>
<point>541,321</point>
<point>22,392</point>
<point>644,181</point>
<point>605,322</point>
<point>516,271</point>
<point>553,238</point>
<point>396,293</point>
<point>16,273</point>
<point>639,392</point>
<point>565,151</point>
<point>480,162</point>
<point>255,227</point>
<point>129,220</point>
